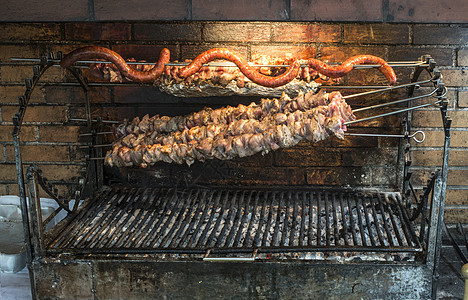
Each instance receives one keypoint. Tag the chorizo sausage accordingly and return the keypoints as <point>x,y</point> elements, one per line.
<point>245,68</point>
<point>347,66</point>
<point>95,52</point>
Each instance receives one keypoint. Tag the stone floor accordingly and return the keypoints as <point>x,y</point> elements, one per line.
<point>16,286</point>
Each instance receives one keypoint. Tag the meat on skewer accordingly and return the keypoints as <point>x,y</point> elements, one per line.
<point>195,68</point>
<point>239,138</point>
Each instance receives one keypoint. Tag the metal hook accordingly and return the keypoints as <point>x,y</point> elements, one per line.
<point>423,136</point>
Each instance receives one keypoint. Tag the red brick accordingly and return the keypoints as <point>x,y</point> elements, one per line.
<point>3,189</point>
<point>384,177</point>
<point>27,134</point>
<point>45,10</point>
<point>37,113</point>
<point>20,73</point>
<point>61,172</point>
<point>97,31</point>
<point>338,176</point>
<point>280,50</point>
<point>239,10</point>
<point>454,177</point>
<point>436,139</point>
<point>463,57</point>
<point>456,197</point>
<point>59,133</point>
<point>9,94</point>
<point>149,53</point>
<point>131,95</point>
<point>236,32</point>
<point>306,33</point>
<point>455,77</point>
<point>439,35</point>
<point>369,157</point>
<point>432,118</point>
<point>307,157</point>
<point>8,172</point>
<point>42,153</point>
<point>453,216</point>
<point>21,51</point>
<point>192,51</point>
<point>348,142</point>
<point>376,34</point>
<point>336,10</point>
<point>30,31</point>
<point>271,176</point>
<point>73,94</point>
<point>442,56</point>
<point>341,53</point>
<point>108,10</point>
<point>463,98</point>
<point>168,32</point>
<point>449,11</point>
<point>434,157</point>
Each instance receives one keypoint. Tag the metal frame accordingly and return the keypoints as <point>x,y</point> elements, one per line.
<point>34,225</point>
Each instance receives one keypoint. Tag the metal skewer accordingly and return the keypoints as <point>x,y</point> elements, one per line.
<point>412,136</point>
<point>221,64</point>
<point>392,113</point>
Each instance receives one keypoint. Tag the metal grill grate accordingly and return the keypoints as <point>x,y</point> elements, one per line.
<point>192,221</point>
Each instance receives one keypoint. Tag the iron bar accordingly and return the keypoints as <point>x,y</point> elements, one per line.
<point>412,136</point>
<point>303,217</point>
<point>201,241</point>
<point>387,88</point>
<point>384,219</point>
<point>237,219</point>
<point>195,219</point>
<point>335,220</point>
<point>327,219</point>
<point>311,214</point>
<point>261,221</point>
<point>392,113</point>
<point>238,236</point>
<point>204,205</point>
<point>159,205</point>
<point>395,102</point>
<point>218,64</point>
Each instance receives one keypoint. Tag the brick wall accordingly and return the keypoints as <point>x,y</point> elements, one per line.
<point>56,148</point>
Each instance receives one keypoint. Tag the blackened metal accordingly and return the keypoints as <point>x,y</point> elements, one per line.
<point>385,222</point>
<point>158,205</point>
<point>457,249</point>
<point>335,220</point>
<point>242,222</point>
<point>256,240</point>
<point>205,207</point>
<point>319,221</point>
<point>360,221</point>
<point>303,217</point>
<point>236,224</point>
<point>266,234</point>
<point>186,203</point>
<point>345,223</point>
<point>284,210</point>
<point>327,220</point>
<point>181,220</point>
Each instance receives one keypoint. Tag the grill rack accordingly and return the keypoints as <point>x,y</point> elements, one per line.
<point>429,244</point>
<point>190,221</point>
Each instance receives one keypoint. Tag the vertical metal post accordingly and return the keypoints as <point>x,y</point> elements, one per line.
<point>442,186</point>
<point>36,214</point>
<point>23,202</point>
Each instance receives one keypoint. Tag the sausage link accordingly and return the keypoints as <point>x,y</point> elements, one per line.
<point>347,66</point>
<point>245,68</point>
<point>94,52</point>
